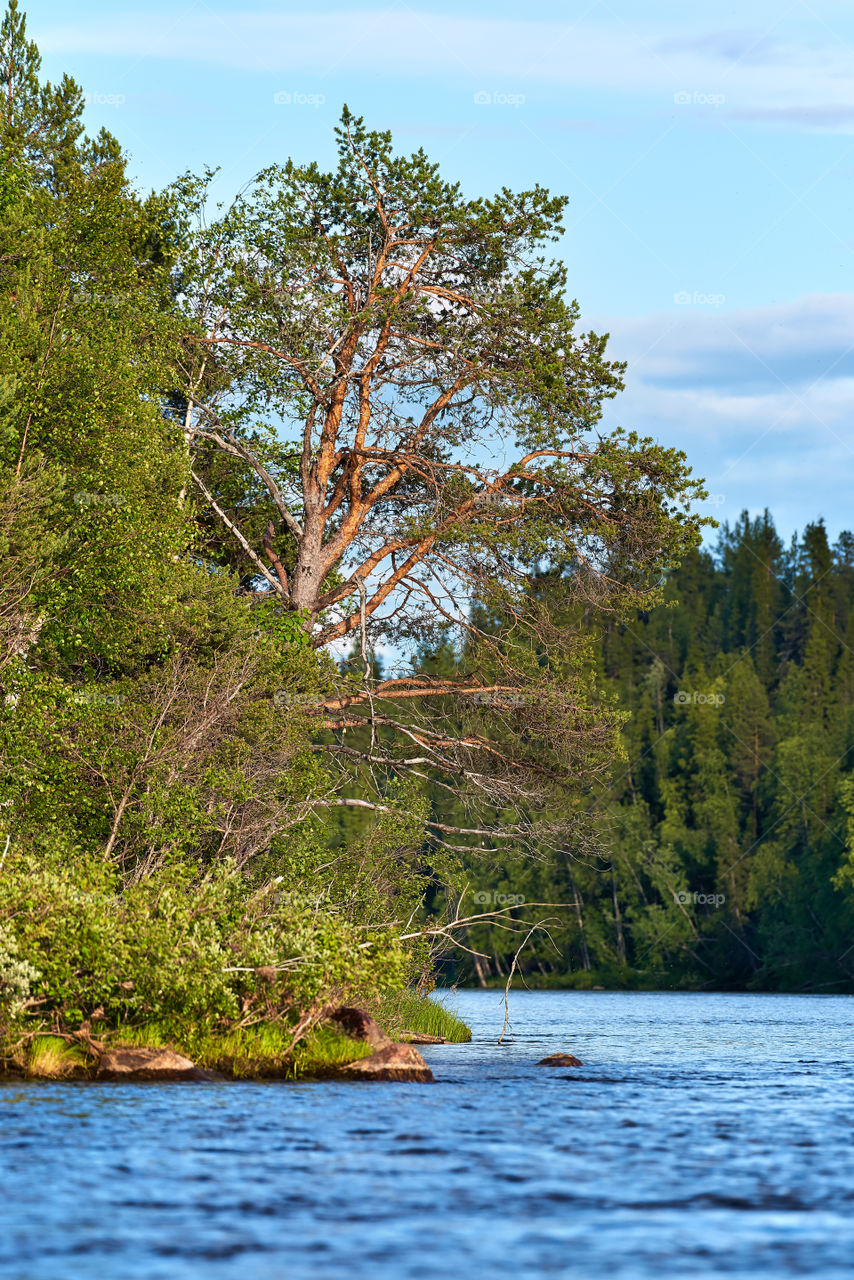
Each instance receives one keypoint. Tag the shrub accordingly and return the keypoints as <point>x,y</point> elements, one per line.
<point>180,946</point>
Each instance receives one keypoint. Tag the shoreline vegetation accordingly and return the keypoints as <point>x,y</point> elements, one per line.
<point>257,1053</point>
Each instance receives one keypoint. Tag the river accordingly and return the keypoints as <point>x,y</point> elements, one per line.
<point>705,1134</point>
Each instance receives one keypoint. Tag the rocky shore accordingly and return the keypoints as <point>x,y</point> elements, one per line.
<point>350,1045</point>
<point>363,1051</point>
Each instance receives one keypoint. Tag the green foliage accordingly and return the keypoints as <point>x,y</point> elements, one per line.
<point>176,947</point>
<point>50,1057</point>
<point>87,342</point>
<point>178,859</point>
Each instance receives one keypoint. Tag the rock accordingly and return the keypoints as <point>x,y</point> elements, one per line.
<point>389,1061</point>
<point>359,1025</point>
<point>421,1037</point>
<point>560,1060</point>
<point>393,1062</point>
<point>148,1064</point>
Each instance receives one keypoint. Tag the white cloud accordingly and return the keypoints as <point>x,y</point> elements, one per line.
<point>760,399</point>
<point>749,350</point>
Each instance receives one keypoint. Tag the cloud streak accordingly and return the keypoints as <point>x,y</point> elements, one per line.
<point>784,82</point>
<point>761,400</point>
<point>743,352</point>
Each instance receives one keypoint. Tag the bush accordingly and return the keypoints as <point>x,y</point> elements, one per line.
<point>181,946</point>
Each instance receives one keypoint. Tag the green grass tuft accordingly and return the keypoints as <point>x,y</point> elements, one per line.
<point>151,1036</point>
<point>51,1058</point>
<point>325,1049</point>
<point>406,1011</point>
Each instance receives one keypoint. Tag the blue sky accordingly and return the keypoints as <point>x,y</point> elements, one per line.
<point>707,151</point>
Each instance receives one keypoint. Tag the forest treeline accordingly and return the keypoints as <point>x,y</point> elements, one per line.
<point>724,856</point>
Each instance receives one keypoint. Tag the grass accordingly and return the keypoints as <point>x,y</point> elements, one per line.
<point>324,1050</point>
<point>51,1058</point>
<point>251,1053</point>
<point>154,1035</point>
<point>263,1052</point>
<point>407,1011</point>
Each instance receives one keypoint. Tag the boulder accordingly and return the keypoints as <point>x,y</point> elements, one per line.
<point>359,1025</point>
<point>148,1064</point>
<point>392,1062</point>
<point>421,1037</point>
<point>560,1060</point>
<point>389,1060</point>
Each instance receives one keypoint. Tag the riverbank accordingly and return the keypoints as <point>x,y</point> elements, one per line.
<point>620,980</point>
<point>264,1052</point>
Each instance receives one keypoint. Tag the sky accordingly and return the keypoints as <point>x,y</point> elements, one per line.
<point>707,152</point>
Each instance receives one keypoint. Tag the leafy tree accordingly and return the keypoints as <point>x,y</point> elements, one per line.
<point>158,786</point>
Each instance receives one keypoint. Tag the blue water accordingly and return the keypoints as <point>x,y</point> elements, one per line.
<point>704,1135</point>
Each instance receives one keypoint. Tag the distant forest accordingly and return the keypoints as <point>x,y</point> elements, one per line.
<point>722,852</point>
